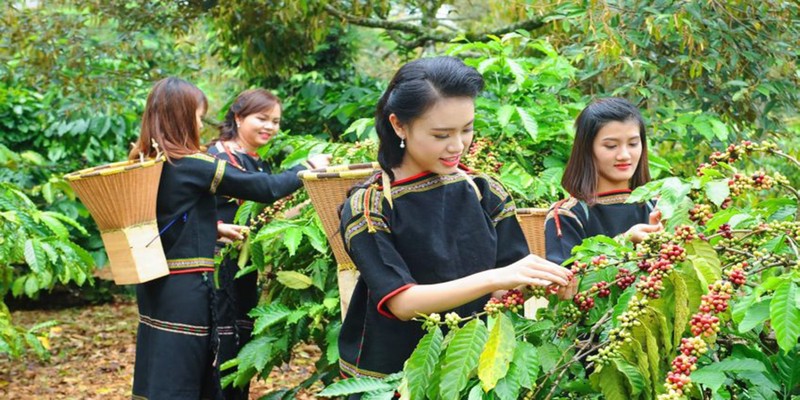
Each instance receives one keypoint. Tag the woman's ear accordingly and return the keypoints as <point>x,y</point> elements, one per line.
<point>399,130</point>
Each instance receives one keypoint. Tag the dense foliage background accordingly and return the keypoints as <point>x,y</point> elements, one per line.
<point>705,74</point>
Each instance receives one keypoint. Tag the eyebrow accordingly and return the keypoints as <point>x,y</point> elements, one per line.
<point>472,121</point>
<point>617,140</point>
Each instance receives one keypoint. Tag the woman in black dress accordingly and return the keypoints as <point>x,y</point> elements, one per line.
<point>427,234</point>
<point>608,161</point>
<point>252,120</point>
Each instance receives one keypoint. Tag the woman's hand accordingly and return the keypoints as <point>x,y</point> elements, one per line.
<point>569,291</point>
<point>534,271</point>
<point>639,232</point>
<point>228,233</point>
<point>319,161</point>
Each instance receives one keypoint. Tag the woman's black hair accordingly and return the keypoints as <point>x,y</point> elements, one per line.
<point>580,174</point>
<point>416,87</point>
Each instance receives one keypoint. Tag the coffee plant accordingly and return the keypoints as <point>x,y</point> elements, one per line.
<point>38,250</point>
<point>300,301</point>
<point>708,308</point>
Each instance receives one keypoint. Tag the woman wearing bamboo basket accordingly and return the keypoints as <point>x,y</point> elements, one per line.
<point>427,234</point>
<point>174,342</point>
<point>251,121</point>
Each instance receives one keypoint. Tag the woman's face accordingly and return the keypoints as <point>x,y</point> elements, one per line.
<point>256,129</point>
<point>617,149</point>
<point>199,114</point>
<point>437,139</point>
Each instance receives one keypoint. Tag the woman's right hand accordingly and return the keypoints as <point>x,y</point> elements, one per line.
<point>639,232</point>
<point>534,271</point>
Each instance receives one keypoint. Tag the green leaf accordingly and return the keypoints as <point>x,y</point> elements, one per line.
<point>354,385</point>
<point>256,353</point>
<point>622,304</point>
<point>292,239</point>
<point>474,393</point>
<point>785,315</point>
<point>35,256</point>
<point>293,279</point>
<point>485,64</point>
<point>720,130</point>
<point>504,114</point>
<point>519,73</point>
<point>713,375</point>
<point>387,394</point>
<point>319,274</point>
<point>497,354</point>
<point>682,311</point>
<point>610,382</point>
<point>647,341</point>
<point>633,353</point>
<point>266,316</point>
<point>317,238</point>
<point>717,191</point>
<point>31,286</point>
<point>529,123</point>
<point>54,225</point>
<point>461,358</point>
<point>548,356</point>
<point>518,373</point>
<point>788,366</point>
<point>419,367</point>
<point>754,316</point>
<point>632,374</point>
<point>332,341</point>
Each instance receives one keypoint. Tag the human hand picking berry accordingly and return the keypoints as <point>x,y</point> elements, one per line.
<point>639,232</point>
<point>228,233</point>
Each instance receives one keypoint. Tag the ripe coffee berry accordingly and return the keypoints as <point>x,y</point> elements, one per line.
<point>624,278</point>
<point>601,288</point>
<point>583,301</point>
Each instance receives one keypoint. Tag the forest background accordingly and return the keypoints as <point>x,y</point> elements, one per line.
<point>75,74</point>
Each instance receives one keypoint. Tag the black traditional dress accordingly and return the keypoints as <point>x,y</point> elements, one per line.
<point>174,340</point>
<point>437,229</point>
<point>569,221</point>
<point>236,297</point>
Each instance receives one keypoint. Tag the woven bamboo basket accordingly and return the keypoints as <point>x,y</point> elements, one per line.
<point>121,197</point>
<point>327,188</point>
<point>532,222</point>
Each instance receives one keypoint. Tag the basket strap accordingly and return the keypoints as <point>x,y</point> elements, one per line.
<point>471,183</point>
<point>387,188</point>
<point>161,232</point>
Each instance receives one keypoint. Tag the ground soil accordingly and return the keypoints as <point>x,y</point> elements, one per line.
<point>93,352</point>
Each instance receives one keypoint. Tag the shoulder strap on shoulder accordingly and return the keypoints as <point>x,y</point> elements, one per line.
<point>585,208</point>
<point>471,183</point>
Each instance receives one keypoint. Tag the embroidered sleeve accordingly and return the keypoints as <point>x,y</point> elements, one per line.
<point>367,236</point>
<point>256,186</point>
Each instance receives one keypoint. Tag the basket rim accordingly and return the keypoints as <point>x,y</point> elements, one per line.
<point>532,210</point>
<point>112,168</point>
<point>340,171</point>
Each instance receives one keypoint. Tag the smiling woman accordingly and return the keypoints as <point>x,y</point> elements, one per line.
<point>608,161</point>
<point>252,120</point>
<point>427,234</point>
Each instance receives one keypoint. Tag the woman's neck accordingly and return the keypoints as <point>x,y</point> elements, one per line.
<point>604,186</point>
<point>238,146</point>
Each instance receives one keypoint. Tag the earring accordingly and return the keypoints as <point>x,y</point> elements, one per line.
<point>238,125</point>
<point>402,143</point>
